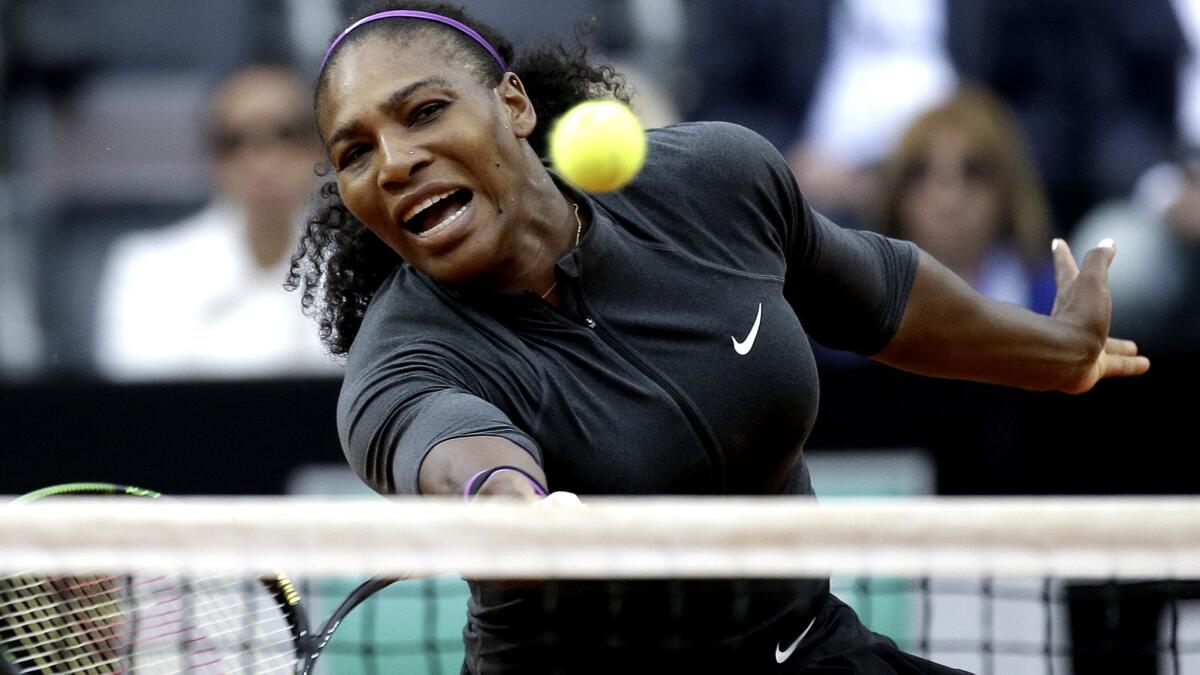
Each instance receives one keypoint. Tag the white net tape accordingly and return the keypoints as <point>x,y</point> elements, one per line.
<point>627,538</point>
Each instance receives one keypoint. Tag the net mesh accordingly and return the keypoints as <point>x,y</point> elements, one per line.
<point>991,586</point>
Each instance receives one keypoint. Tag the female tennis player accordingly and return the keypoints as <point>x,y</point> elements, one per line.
<point>508,334</point>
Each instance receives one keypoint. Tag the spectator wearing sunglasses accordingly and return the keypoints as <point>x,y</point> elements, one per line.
<point>204,298</point>
<point>961,184</point>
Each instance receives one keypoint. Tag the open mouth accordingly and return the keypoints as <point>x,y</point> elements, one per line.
<point>438,212</point>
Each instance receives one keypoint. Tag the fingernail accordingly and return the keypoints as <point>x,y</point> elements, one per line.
<point>1106,243</point>
<point>1054,245</point>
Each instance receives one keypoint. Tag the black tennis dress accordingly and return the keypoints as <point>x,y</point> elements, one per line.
<point>678,363</point>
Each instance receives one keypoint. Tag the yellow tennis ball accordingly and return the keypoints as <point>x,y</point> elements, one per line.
<point>598,145</point>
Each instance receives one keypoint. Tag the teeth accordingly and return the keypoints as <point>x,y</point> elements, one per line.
<point>412,213</point>
<point>445,222</point>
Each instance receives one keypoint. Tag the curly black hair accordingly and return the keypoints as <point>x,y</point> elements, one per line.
<point>339,263</point>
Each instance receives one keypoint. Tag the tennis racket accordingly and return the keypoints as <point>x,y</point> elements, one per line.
<point>154,623</point>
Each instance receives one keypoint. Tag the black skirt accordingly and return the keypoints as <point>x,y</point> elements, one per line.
<point>830,640</point>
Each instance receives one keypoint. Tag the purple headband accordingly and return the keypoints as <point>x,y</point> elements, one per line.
<point>413,14</point>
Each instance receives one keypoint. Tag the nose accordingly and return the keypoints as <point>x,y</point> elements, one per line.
<point>400,160</point>
<point>945,187</point>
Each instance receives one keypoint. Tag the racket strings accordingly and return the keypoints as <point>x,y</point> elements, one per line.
<point>216,610</point>
<point>102,624</point>
<point>94,623</point>
<point>45,636</point>
<point>265,653</point>
<point>32,600</point>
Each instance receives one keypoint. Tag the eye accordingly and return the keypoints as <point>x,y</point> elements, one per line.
<point>427,111</point>
<point>352,155</point>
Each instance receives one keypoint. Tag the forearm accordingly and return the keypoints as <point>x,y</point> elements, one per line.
<point>451,464</point>
<point>949,330</point>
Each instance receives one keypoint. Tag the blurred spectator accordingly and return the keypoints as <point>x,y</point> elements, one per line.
<point>1188,12</point>
<point>97,126</point>
<point>204,297</point>
<point>830,82</point>
<point>838,78</point>
<point>757,63</point>
<point>1155,278</point>
<point>886,63</point>
<point>961,185</point>
<point>1093,83</point>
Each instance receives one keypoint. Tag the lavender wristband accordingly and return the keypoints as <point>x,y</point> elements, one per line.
<point>477,481</point>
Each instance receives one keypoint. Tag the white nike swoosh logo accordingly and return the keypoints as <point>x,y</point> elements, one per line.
<point>784,655</point>
<point>743,348</point>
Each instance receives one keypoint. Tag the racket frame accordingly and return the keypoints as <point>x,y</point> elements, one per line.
<point>317,642</point>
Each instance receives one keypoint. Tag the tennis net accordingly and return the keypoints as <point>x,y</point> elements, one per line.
<point>988,585</point>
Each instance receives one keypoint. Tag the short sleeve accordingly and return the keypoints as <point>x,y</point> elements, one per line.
<point>388,422</point>
<point>849,287</point>
<point>409,385</point>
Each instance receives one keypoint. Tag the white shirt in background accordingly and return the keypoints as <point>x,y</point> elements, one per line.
<point>189,302</point>
<point>1188,12</point>
<point>887,64</point>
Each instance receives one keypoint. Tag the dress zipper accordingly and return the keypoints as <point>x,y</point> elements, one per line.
<point>693,416</point>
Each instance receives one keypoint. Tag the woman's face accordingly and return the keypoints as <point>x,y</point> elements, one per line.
<point>951,205</point>
<point>428,157</point>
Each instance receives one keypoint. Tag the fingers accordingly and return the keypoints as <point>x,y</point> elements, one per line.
<point>1097,261</point>
<point>1124,366</point>
<point>1065,269</point>
<point>1121,359</point>
<point>1119,347</point>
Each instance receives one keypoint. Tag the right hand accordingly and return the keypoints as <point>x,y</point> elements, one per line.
<point>559,500</point>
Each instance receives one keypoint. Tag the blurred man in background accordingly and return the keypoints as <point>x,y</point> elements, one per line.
<point>204,297</point>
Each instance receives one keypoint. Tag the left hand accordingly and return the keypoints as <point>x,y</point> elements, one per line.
<point>1083,301</point>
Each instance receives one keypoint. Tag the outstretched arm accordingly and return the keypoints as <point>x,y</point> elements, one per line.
<point>949,330</point>
<point>451,464</point>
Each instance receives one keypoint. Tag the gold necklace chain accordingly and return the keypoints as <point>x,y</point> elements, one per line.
<point>578,232</point>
